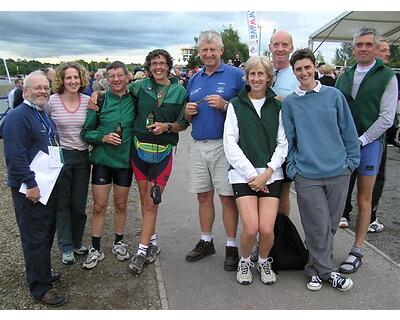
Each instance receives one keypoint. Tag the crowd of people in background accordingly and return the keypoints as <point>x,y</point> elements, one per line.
<point>257,126</point>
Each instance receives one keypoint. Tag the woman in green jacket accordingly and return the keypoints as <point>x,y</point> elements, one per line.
<point>159,102</point>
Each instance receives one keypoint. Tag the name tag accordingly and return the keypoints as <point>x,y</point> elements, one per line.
<point>55,154</point>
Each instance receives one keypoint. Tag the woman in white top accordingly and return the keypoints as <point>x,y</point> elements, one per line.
<point>255,146</point>
<point>67,108</point>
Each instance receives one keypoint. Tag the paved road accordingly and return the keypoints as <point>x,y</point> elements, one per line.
<point>205,285</point>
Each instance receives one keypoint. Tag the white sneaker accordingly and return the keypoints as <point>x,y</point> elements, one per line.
<point>120,250</point>
<point>314,284</point>
<point>244,275</point>
<point>340,282</point>
<point>93,257</point>
<point>267,275</point>
<point>376,227</point>
<point>343,223</point>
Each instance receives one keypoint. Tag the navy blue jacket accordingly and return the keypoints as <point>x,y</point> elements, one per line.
<point>24,135</point>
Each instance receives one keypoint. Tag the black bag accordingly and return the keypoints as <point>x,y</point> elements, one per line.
<point>288,251</point>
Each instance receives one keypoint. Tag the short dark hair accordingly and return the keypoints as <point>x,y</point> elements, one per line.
<point>155,54</point>
<point>300,55</point>
<point>117,65</point>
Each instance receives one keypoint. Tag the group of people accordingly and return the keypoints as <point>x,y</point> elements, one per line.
<point>254,132</point>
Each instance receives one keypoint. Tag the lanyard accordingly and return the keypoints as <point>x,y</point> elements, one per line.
<point>48,127</point>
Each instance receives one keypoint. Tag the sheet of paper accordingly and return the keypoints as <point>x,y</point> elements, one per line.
<point>45,176</point>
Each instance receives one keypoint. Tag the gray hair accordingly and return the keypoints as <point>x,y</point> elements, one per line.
<point>262,60</point>
<point>28,78</point>
<point>208,36</point>
<point>365,31</point>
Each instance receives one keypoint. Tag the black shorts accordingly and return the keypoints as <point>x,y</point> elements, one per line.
<point>285,177</point>
<point>243,189</point>
<point>102,175</point>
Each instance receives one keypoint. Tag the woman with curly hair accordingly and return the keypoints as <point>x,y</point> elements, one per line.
<point>158,102</point>
<point>67,108</point>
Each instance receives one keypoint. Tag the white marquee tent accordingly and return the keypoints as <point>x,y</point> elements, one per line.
<point>344,26</point>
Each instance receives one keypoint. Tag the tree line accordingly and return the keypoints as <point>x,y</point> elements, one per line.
<point>232,46</point>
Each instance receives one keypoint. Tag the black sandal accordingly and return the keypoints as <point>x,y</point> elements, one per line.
<point>355,264</point>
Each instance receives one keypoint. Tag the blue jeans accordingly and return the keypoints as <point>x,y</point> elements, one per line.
<point>73,185</point>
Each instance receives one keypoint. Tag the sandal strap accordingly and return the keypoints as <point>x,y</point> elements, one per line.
<point>355,254</point>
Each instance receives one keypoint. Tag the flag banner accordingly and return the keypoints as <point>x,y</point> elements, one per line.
<point>253,33</point>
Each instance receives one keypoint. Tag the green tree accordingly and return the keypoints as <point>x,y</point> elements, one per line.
<point>319,57</point>
<point>344,55</point>
<point>232,46</point>
<point>394,61</point>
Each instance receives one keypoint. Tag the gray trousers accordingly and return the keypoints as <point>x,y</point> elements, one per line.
<point>321,203</point>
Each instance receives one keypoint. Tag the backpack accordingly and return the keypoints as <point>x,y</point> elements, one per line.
<point>288,251</point>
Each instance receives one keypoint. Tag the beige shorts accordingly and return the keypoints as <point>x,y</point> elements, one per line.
<point>208,167</point>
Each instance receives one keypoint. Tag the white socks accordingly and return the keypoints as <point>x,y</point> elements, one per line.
<point>231,242</point>
<point>142,249</point>
<point>206,236</point>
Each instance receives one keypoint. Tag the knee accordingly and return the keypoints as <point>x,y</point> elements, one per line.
<point>205,198</point>
<point>121,206</point>
<point>250,231</point>
<point>99,209</point>
<point>149,207</point>
<point>363,202</point>
<point>267,231</point>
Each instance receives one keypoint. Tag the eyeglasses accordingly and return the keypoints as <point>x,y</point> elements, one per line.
<point>40,88</point>
<point>156,64</point>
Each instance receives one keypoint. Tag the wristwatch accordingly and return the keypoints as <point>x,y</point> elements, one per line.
<point>169,127</point>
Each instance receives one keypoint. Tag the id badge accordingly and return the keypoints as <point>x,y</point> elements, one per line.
<point>55,154</point>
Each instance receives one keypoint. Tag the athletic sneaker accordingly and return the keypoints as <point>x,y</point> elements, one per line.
<point>120,250</point>
<point>244,275</point>
<point>231,258</point>
<point>68,258</point>
<point>267,275</point>
<point>343,223</point>
<point>137,263</point>
<point>340,282</point>
<point>151,253</point>
<point>82,250</point>
<point>376,227</point>
<point>93,257</point>
<point>202,249</point>
<point>314,284</point>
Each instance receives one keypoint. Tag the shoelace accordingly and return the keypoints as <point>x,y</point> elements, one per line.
<point>245,267</point>
<point>316,279</point>
<point>266,267</point>
<point>337,279</point>
<point>201,246</point>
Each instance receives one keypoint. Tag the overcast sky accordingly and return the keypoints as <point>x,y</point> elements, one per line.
<point>52,36</point>
<point>130,35</point>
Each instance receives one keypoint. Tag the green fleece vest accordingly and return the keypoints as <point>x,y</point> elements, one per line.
<point>366,106</point>
<point>257,136</point>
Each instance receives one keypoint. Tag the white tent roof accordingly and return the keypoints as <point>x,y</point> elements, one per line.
<point>344,26</point>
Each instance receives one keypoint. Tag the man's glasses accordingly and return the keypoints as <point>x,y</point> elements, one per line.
<point>40,88</point>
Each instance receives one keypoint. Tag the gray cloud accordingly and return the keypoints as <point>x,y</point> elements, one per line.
<point>52,34</point>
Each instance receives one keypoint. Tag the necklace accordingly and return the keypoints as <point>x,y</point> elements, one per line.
<point>162,92</point>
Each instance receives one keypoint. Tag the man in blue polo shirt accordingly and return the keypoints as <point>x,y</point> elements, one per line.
<point>209,93</point>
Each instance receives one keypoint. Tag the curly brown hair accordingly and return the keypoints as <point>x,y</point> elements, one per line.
<point>58,83</point>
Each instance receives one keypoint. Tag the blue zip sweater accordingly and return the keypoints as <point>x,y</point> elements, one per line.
<point>322,137</point>
<point>24,135</point>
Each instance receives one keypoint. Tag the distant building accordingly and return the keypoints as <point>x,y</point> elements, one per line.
<point>186,53</point>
